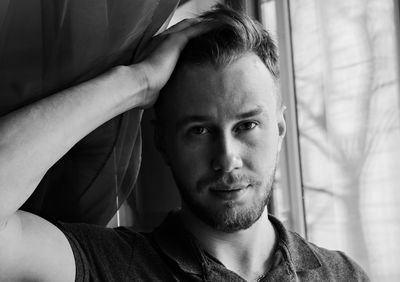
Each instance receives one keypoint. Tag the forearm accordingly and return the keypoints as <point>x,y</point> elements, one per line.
<point>33,138</point>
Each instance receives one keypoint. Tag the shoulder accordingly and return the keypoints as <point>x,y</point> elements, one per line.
<point>29,245</point>
<point>115,254</point>
<point>313,263</point>
<point>94,234</point>
<point>106,243</point>
<point>101,252</point>
<point>333,265</point>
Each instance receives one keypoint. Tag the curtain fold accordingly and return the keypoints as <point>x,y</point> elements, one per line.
<point>49,45</point>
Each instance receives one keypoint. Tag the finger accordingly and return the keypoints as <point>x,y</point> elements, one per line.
<point>174,43</point>
<point>181,25</point>
<point>198,29</point>
<point>180,35</point>
<point>178,38</point>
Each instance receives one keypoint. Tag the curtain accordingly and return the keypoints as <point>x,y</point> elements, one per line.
<point>49,45</point>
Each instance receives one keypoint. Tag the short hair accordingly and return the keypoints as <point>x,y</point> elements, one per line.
<point>235,34</point>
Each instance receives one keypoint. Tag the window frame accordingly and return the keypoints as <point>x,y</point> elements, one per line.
<point>290,165</point>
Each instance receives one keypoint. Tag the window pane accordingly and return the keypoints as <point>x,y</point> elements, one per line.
<point>286,202</point>
<point>345,69</point>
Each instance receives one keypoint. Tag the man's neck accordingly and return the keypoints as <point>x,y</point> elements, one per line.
<point>246,252</point>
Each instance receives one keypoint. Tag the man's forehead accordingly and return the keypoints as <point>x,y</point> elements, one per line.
<point>244,84</point>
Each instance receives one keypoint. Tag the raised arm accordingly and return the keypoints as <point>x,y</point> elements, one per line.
<point>33,138</point>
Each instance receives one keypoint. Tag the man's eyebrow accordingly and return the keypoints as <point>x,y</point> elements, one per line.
<point>203,118</point>
<point>251,113</point>
<point>191,119</point>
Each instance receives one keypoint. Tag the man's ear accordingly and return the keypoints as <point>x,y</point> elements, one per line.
<point>281,125</point>
<point>159,140</point>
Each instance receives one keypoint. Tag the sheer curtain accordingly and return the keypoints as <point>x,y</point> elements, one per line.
<point>46,46</point>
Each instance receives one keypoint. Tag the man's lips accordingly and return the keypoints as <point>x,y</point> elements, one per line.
<point>221,186</point>
<point>229,192</point>
<point>227,188</point>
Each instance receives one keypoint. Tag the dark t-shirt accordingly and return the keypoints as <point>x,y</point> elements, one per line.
<point>170,253</point>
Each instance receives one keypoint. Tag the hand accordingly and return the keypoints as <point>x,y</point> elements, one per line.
<point>163,53</point>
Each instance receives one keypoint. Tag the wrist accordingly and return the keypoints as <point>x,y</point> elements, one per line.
<point>143,74</point>
<point>132,84</point>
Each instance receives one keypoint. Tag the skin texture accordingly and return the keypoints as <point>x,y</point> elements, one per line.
<point>222,138</point>
<point>34,137</point>
<point>221,135</point>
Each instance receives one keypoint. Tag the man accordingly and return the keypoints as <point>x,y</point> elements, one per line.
<point>219,127</point>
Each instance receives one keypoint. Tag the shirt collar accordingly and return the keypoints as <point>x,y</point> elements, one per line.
<point>178,244</point>
<point>295,249</point>
<point>181,247</point>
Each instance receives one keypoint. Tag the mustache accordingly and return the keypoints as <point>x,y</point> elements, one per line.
<point>228,180</point>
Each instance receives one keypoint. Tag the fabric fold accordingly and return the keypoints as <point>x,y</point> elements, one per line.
<point>47,46</point>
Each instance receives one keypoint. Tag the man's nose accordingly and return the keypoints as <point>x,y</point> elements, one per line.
<point>227,155</point>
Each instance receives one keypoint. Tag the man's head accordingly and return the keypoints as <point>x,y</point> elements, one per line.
<point>219,121</point>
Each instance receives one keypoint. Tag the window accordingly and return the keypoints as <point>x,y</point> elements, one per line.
<point>340,78</point>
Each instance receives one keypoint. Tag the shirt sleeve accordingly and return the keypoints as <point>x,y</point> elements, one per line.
<point>101,254</point>
<point>81,266</point>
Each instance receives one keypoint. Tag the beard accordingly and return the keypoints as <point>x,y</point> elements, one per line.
<point>228,216</point>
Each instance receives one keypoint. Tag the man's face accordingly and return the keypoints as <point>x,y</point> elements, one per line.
<point>221,137</point>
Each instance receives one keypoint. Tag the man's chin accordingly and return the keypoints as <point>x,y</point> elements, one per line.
<point>231,218</point>
<point>227,215</point>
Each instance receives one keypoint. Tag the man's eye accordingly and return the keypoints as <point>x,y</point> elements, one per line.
<point>246,126</point>
<point>198,130</point>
